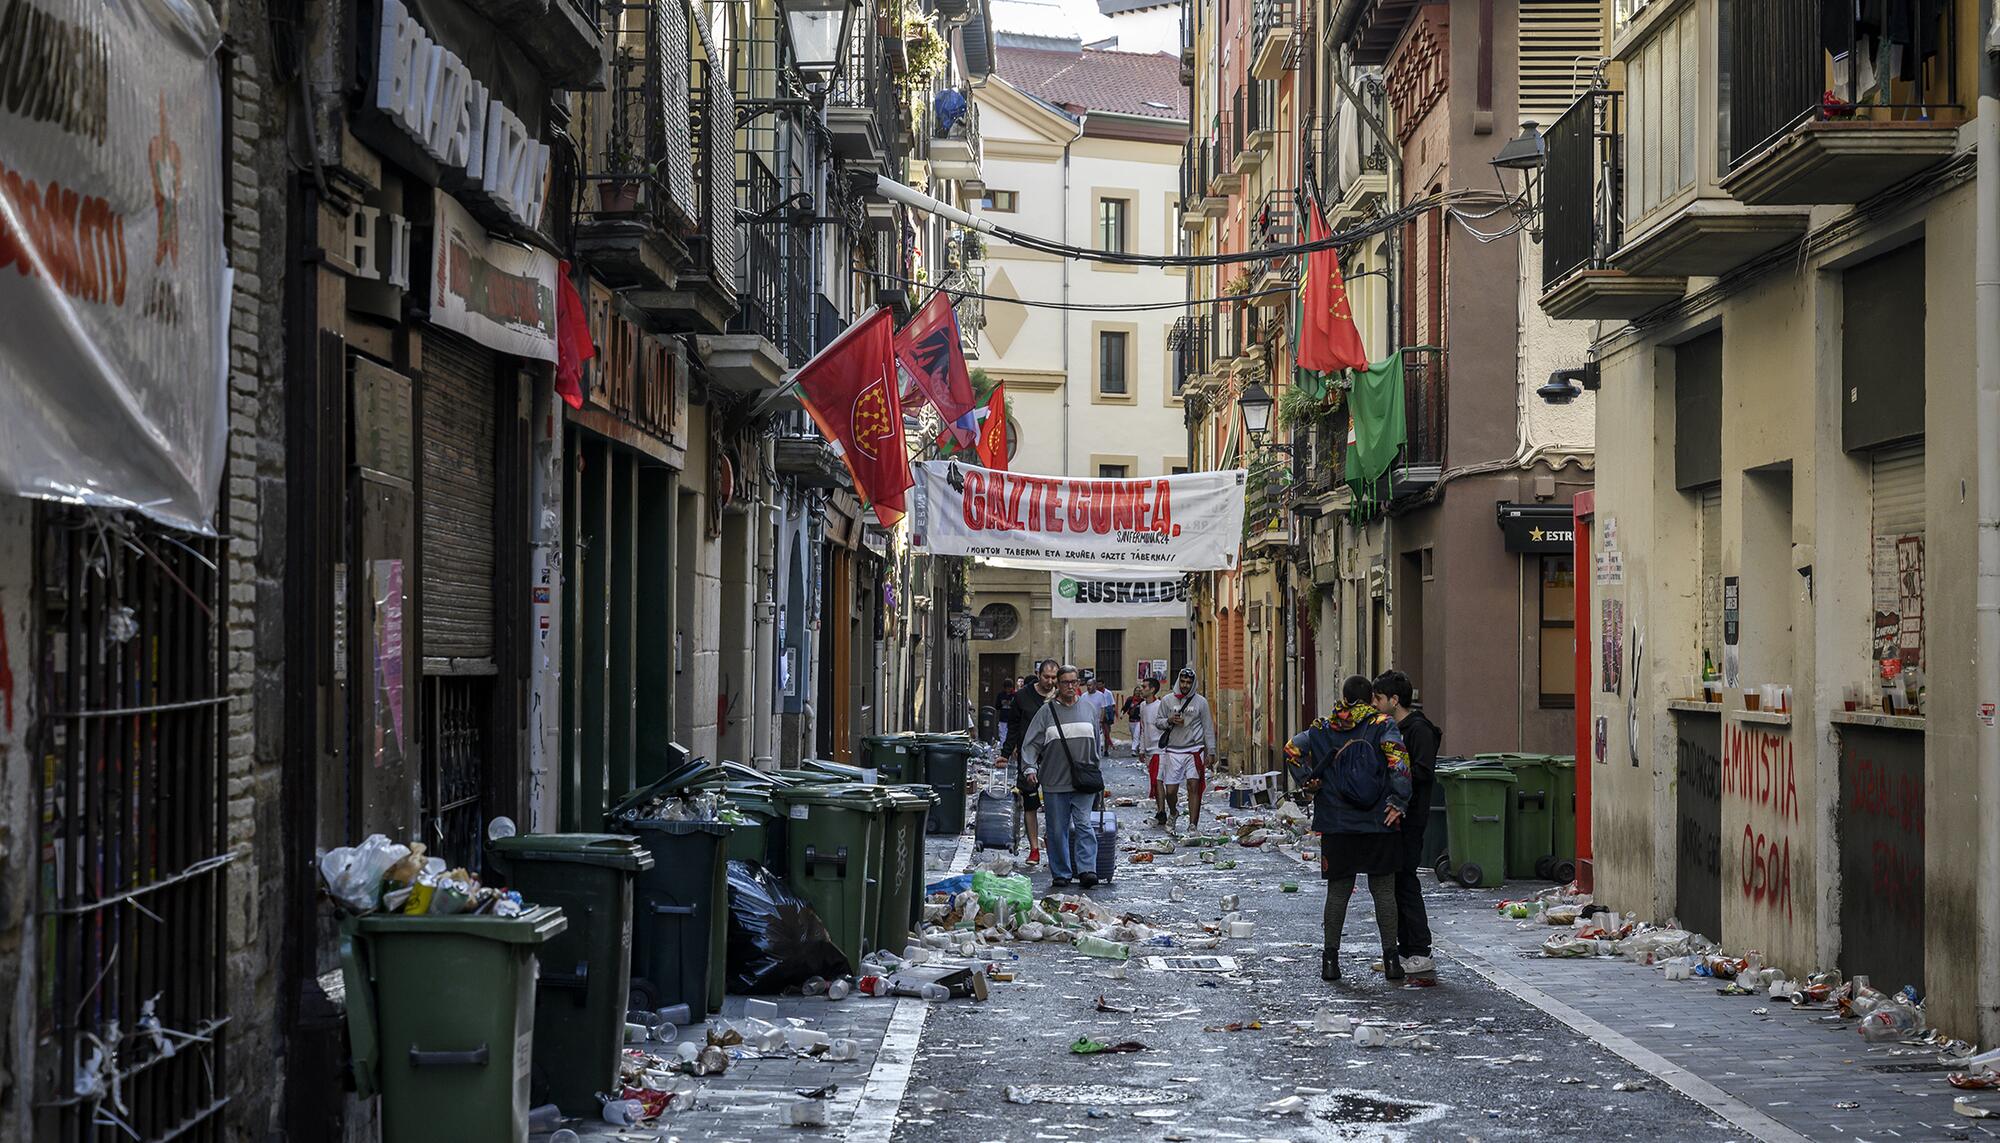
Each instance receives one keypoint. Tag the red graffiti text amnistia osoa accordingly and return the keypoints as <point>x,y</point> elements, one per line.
<point>1758,770</point>
<point>1014,502</point>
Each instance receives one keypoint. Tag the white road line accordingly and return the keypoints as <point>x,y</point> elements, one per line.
<point>1737,1112</point>
<point>881,1097</point>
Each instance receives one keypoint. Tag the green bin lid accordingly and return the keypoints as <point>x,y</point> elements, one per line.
<point>849,795</point>
<point>954,745</point>
<point>678,829</point>
<point>1480,774</point>
<point>910,798</point>
<point>841,770</point>
<point>808,777</point>
<point>615,851</point>
<point>536,924</point>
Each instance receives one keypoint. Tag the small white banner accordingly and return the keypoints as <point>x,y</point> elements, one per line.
<point>500,294</point>
<point>1111,528</point>
<point>1074,597</point>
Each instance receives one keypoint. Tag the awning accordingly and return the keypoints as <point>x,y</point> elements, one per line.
<point>1537,528</point>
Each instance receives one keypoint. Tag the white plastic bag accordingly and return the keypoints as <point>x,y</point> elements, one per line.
<point>354,873</point>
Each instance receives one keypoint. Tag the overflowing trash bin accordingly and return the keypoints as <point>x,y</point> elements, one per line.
<point>441,1013</point>
<point>1476,803</point>
<point>580,998</point>
<point>833,843</point>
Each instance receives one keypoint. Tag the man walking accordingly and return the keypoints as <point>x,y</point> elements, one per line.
<point>1146,743</point>
<point>1421,737</point>
<point>1059,751</point>
<point>1027,701</point>
<point>1187,742</point>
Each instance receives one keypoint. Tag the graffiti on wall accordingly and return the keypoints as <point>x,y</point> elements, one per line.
<point>1882,852</point>
<point>1698,825</point>
<point>1759,772</point>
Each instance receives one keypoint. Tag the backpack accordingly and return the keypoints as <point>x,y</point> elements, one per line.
<point>1358,774</point>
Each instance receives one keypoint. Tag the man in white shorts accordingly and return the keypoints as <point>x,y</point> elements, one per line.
<point>1187,741</point>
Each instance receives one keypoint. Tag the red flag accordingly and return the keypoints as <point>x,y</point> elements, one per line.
<point>573,344</point>
<point>993,431</point>
<point>928,349</point>
<point>850,389</point>
<point>1328,341</point>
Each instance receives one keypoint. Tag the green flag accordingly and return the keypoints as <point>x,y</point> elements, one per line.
<point>1375,427</point>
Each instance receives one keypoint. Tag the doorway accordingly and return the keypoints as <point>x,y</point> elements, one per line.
<point>994,671</point>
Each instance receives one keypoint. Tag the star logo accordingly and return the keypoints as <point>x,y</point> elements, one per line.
<point>1535,535</point>
<point>163,156</point>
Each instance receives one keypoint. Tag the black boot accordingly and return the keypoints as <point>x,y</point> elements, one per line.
<point>1392,967</point>
<point>1329,965</point>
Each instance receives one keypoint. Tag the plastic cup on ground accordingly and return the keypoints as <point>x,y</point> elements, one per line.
<point>760,1009</point>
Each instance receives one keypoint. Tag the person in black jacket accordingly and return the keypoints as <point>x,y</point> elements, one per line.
<point>1421,736</point>
<point>1027,701</point>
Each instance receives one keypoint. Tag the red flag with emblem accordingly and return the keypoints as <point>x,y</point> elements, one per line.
<point>1328,340</point>
<point>849,388</point>
<point>929,350</point>
<point>993,431</point>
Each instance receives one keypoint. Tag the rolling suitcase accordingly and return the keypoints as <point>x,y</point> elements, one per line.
<point>1107,844</point>
<point>994,820</point>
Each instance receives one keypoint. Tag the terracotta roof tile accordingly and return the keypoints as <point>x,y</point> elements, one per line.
<point>1123,83</point>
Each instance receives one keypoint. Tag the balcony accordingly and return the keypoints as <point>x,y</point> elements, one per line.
<point>703,300</point>
<point>1582,220</point>
<point>561,37</point>
<point>1800,131</point>
<point>1256,125</point>
<point>641,202</point>
<point>805,456</point>
<point>1274,226</point>
<point>1421,462</point>
<point>963,287</point>
<point>956,152</point>
<point>1188,345</point>
<point>1194,182</point>
<point>856,111</point>
<point>1223,180</point>
<point>752,356</point>
<point>1271,32</point>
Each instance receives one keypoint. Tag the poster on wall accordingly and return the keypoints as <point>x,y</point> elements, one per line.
<point>386,586</point>
<point>1732,631</point>
<point>1611,648</point>
<point>500,294</point>
<point>114,354</point>
<point>1119,528</point>
<point>1910,601</point>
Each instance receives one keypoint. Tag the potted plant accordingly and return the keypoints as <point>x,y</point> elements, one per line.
<point>925,46</point>
<point>624,176</point>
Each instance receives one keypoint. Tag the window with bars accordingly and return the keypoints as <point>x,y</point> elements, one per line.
<point>1111,657</point>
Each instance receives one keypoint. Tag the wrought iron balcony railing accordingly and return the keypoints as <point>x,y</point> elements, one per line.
<point>1276,225</point>
<point>1272,24</point>
<point>1425,405</point>
<point>1582,197</point>
<point>1188,344</point>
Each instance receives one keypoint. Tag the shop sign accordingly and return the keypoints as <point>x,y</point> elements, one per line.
<point>113,355</point>
<point>1538,528</point>
<point>1071,597</point>
<point>1083,526</point>
<point>500,294</point>
<point>427,90</point>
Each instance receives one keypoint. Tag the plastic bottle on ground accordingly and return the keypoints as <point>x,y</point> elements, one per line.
<point>1093,945</point>
<point>934,992</point>
<point>873,985</point>
<point>813,986</point>
<point>623,1112</point>
<point>843,1049</point>
<point>677,1014</point>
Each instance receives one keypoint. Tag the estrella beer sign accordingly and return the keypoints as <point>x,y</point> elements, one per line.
<point>1158,524</point>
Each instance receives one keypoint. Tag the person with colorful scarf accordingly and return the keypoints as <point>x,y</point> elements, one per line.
<point>1354,762</point>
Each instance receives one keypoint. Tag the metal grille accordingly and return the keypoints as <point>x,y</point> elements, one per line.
<point>1581,217</point>
<point>1784,85</point>
<point>757,282</point>
<point>460,470</point>
<point>718,170</point>
<point>130,1013</point>
<point>1423,408</point>
<point>667,134</point>
<point>457,717</point>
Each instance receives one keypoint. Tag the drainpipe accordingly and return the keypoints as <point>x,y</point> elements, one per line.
<point>1082,119</point>
<point>1986,370</point>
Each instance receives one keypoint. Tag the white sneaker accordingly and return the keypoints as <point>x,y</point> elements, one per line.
<point>1419,966</point>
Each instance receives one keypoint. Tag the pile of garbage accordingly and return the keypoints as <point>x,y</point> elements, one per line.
<point>384,876</point>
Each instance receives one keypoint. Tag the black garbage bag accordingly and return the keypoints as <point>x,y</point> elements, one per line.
<point>776,941</point>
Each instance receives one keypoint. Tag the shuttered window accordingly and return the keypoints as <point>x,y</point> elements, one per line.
<point>1711,574</point>
<point>1561,41</point>
<point>1896,560</point>
<point>1662,92</point>
<point>459,477</point>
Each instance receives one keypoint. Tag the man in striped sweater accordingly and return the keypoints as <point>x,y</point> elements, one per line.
<point>1062,733</point>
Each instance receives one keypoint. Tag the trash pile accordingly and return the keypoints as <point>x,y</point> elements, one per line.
<point>384,876</point>
<point>1590,930</point>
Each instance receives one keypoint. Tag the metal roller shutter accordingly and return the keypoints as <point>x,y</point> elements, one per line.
<point>459,438</point>
<point>1711,573</point>
<point>1896,487</point>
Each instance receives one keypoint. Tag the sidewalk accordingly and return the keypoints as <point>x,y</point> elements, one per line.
<point>747,1101</point>
<point>1782,1076</point>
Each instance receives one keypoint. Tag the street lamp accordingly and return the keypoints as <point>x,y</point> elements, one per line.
<point>1525,155</point>
<point>1256,404</point>
<point>818,31</point>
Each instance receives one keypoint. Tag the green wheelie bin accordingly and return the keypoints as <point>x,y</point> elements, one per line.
<point>1437,842</point>
<point>833,842</point>
<point>1530,847</point>
<point>1476,799</point>
<point>680,902</point>
<point>580,1000</point>
<point>760,834</point>
<point>947,764</point>
<point>893,757</point>
<point>441,1018</point>
<point>1562,818</point>
<point>902,864</point>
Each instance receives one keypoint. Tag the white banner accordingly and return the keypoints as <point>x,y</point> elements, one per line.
<point>1074,597</point>
<point>1080,525</point>
<point>113,353</point>
<point>500,294</point>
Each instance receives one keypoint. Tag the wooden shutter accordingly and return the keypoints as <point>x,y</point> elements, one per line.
<point>1711,573</point>
<point>1560,42</point>
<point>459,476</point>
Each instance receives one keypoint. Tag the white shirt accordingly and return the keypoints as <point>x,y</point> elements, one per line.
<point>1149,736</point>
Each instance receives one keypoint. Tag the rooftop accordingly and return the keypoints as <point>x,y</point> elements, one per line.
<point>1120,83</point>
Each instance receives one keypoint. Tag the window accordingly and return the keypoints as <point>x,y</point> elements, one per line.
<point>996,621</point>
<point>1001,201</point>
<point>1013,438</point>
<point>1111,224</point>
<point>1177,652</point>
<point>1662,97</point>
<point>1558,632</point>
<point>1113,471</point>
<point>1112,348</point>
<point>1177,470</point>
<point>1111,657</point>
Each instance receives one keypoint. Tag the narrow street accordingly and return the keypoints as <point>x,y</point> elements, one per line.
<point>1500,1068</point>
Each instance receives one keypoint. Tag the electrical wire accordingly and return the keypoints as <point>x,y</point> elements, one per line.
<point>1087,307</point>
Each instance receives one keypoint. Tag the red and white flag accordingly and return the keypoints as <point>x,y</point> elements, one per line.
<point>849,388</point>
